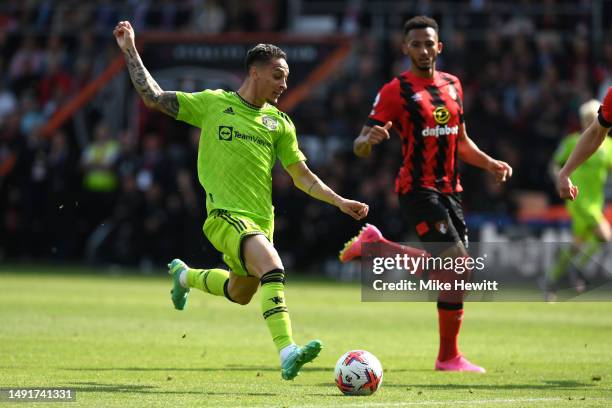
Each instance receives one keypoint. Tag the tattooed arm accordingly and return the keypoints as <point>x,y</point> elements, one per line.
<point>153,96</point>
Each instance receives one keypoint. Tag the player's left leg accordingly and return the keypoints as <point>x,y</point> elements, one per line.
<point>438,221</point>
<point>601,234</point>
<point>261,260</point>
<point>590,229</point>
<point>603,231</point>
<point>450,304</point>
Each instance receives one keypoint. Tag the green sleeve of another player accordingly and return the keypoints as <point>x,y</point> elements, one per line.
<point>287,149</point>
<point>563,151</point>
<point>193,107</point>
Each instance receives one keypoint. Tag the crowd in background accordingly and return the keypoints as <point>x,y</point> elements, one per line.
<point>132,198</point>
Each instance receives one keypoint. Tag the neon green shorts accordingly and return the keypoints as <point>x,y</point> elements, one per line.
<point>584,220</point>
<point>226,230</point>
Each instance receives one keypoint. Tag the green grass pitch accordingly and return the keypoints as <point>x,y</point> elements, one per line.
<point>119,343</point>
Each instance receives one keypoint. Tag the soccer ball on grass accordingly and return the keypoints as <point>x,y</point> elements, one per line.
<point>358,372</point>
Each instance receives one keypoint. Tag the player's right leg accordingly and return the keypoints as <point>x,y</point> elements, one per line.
<point>371,234</point>
<point>262,260</point>
<point>352,249</point>
<point>225,231</point>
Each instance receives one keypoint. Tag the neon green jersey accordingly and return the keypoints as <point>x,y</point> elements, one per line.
<point>239,145</point>
<point>590,176</point>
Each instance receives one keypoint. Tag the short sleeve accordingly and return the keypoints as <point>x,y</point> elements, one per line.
<point>193,107</point>
<point>287,149</point>
<point>563,152</point>
<point>386,105</point>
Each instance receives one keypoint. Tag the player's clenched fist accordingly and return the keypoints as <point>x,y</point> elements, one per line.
<point>501,170</point>
<point>124,34</point>
<point>565,187</point>
<point>353,208</point>
<point>379,133</point>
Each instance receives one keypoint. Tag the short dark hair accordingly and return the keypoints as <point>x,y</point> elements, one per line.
<point>263,53</point>
<point>420,22</point>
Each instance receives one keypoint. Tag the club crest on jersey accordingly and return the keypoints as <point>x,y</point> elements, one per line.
<point>442,227</point>
<point>269,122</point>
<point>441,115</point>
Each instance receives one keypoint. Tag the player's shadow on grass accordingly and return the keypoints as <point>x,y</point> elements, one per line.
<point>230,367</point>
<point>237,367</point>
<point>566,385</point>
<point>150,389</point>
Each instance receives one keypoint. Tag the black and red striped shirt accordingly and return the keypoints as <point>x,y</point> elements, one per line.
<point>428,115</point>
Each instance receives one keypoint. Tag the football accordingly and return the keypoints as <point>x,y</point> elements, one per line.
<point>358,372</point>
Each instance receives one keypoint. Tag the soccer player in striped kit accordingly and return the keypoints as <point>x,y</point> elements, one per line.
<point>424,106</point>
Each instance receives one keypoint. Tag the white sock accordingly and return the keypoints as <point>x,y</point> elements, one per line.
<point>286,351</point>
<point>183,279</point>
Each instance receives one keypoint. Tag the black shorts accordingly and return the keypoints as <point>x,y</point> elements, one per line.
<point>434,217</point>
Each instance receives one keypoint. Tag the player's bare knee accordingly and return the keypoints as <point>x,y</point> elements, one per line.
<point>454,251</point>
<point>260,256</point>
<point>261,269</point>
<point>603,232</point>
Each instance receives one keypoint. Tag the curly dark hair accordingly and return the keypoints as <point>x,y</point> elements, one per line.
<point>263,53</point>
<point>420,22</point>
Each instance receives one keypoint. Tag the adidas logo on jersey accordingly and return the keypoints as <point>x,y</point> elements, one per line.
<point>229,110</point>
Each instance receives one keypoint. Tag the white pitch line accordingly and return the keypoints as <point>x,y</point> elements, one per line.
<point>444,402</point>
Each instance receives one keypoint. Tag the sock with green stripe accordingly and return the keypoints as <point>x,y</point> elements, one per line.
<point>274,308</point>
<point>211,281</point>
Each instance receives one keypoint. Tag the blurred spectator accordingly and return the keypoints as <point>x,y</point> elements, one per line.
<point>31,114</point>
<point>27,64</point>
<point>100,179</point>
<point>8,103</point>
<point>209,17</point>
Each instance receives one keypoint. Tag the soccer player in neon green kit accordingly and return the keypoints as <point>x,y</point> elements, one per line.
<point>243,134</point>
<point>589,226</point>
<point>590,149</point>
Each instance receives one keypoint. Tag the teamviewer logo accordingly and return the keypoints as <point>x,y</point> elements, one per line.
<point>226,133</point>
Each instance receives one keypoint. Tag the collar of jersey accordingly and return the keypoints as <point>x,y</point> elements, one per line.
<point>247,103</point>
<point>414,77</point>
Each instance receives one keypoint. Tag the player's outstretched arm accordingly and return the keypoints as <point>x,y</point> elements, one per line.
<point>471,154</point>
<point>308,182</point>
<point>588,143</point>
<point>370,136</point>
<point>153,96</point>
